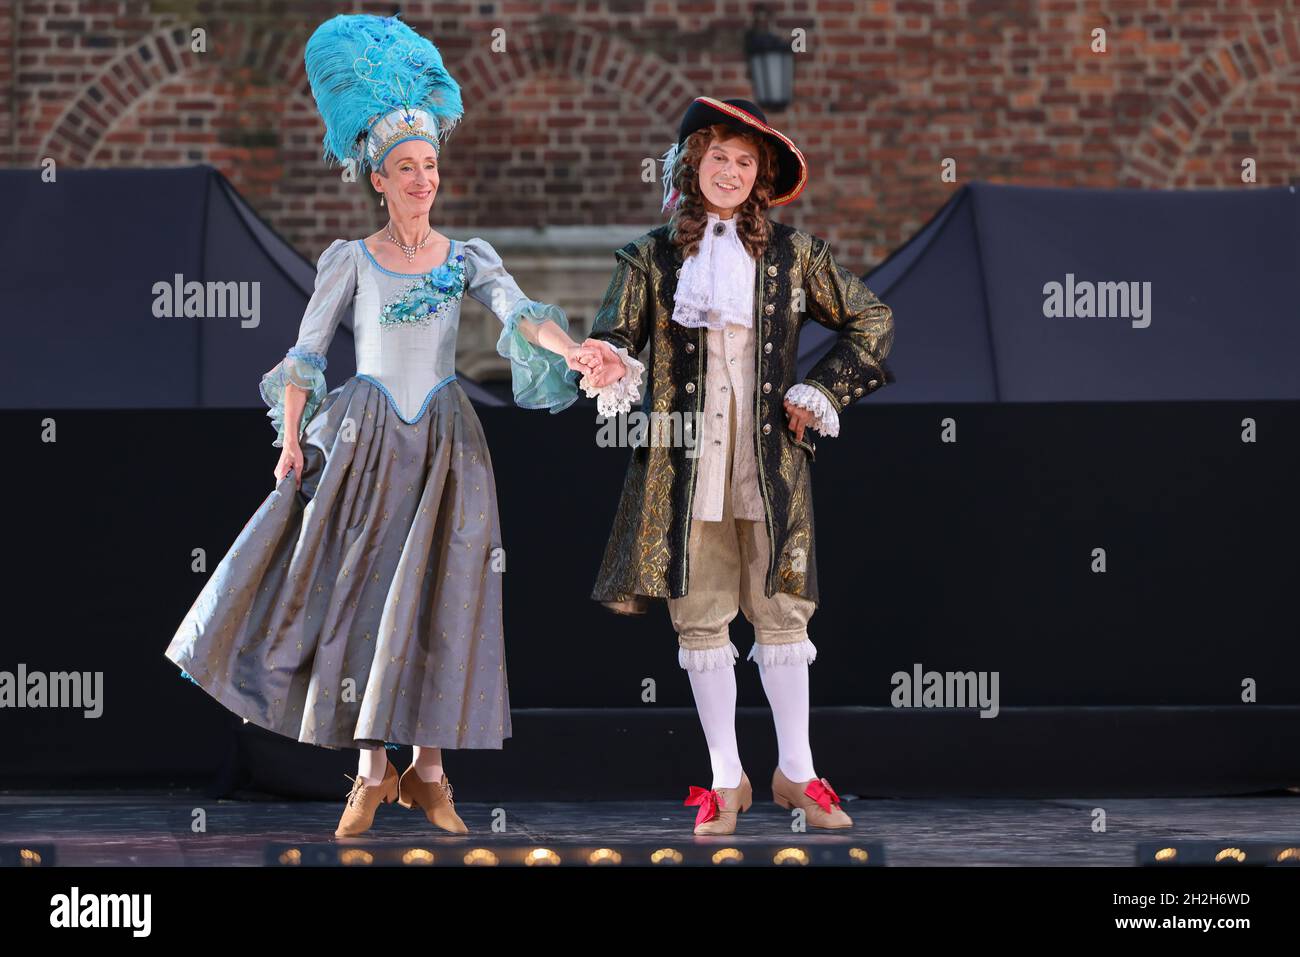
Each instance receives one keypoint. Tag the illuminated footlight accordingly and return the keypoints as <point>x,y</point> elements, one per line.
<point>28,857</point>
<point>1231,854</point>
<point>666,855</point>
<point>292,857</point>
<point>1166,854</point>
<point>604,855</point>
<point>541,855</point>
<point>1288,854</point>
<point>356,857</point>
<point>418,855</point>
<point>859,855</point>
<point>728,855</point>
<point>480,857</point>
<point>790,855</point>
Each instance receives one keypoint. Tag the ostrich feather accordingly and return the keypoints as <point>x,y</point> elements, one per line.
<point>362,67</point>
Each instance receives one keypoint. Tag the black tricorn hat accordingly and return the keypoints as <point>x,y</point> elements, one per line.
<point>742,116</point>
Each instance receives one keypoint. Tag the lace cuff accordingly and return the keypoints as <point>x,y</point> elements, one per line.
<point>617,397</point>
<point>298,368</point>
<point>537,375</point>
<point>815,401</point>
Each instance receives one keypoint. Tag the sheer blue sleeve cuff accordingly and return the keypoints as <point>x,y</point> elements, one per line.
<point>298,368</point>
<point>537,374</point>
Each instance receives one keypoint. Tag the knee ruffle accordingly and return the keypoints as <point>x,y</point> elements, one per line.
<point>706,659</point>
<point>787,653</point>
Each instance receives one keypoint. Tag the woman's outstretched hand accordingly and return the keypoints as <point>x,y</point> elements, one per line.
<point>290,458</point>
<point>608,367</point>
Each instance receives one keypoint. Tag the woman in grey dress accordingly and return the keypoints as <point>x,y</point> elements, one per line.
<point>361,604</point>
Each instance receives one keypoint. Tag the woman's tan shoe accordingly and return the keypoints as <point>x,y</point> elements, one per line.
<point>436,799</point>
<point>718,807</point>
<point>816,796</point>
<point>364,799</point>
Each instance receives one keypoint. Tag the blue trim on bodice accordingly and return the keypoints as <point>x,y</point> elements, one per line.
<point>451,256</point>
<point>393,402</point>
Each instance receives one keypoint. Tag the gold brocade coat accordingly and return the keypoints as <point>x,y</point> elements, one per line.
<point>646,556</point>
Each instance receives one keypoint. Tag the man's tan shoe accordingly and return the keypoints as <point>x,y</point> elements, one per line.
<point>364,799</point>
<point>816,796</point>
<point>436,799</point>
<point>718,807</point>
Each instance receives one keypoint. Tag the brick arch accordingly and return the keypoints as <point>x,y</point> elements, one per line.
<point>1200,91</point>
<point>155,59</point>
<point>577,51</point>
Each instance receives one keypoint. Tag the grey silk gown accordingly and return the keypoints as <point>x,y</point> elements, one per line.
<point>364,608</point>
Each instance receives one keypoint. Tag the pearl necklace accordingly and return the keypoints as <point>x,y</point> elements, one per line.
<point>410,251</point>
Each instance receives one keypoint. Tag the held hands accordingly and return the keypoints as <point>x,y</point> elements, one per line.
<point>290,458</point>
<point>799,419</point>
<point>598,362</point>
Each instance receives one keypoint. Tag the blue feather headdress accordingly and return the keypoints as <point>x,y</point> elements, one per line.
<point>377,76</point>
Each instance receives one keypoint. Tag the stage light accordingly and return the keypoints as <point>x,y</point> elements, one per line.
<point>790,855</point>
<point>1166,853</point>
<point>480,857</point>
<point>1288,854</point>
<point>666,855</point>
<point>604,855</point>
<point>291,857</point>
<point>859,855</point>
<point>418,855</point>
<point>355,856</point>
<point>1230,854</point>
<point>728,855</point>
<point>542,855</point>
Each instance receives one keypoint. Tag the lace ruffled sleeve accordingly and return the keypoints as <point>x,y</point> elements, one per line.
<point>815,401</point>
<point>537,375</point>
<point>304,364</point>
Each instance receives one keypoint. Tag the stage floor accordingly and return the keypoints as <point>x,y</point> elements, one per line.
<point>153,828</point>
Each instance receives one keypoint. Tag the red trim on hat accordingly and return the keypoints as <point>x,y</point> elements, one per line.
<point>754,121</point>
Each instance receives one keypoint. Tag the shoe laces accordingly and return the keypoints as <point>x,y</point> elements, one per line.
<point>357,784</point>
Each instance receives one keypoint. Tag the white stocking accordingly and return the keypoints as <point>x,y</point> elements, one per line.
<point>786,687</point>
<point>715,700</point>
<point>372,765</point>
<point>428,764</point>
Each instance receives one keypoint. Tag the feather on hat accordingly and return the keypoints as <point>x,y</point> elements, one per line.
<point>377,76</point>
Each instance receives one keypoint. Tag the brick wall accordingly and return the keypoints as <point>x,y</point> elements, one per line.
<point>558,125</point>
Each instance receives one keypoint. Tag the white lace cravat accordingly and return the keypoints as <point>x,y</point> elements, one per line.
<point>717,283</point>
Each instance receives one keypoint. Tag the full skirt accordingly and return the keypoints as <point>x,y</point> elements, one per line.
<point>364,608</point>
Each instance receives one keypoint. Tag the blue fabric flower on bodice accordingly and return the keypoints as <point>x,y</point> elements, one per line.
<point>430,297</point>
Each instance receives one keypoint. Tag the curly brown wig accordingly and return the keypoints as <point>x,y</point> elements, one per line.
<point>690,216</point>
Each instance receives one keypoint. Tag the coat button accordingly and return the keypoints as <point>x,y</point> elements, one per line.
<point>767,428</point>
<point>872,384</point>
<point>769,309</point>
<point>858,391</point>
<point>690,347</point>
<point>719,229</point>
<point>844,399</point>
<point>690,387</point>
<point>679,272</point>
<point>771,270</point>
<point>767,347</point>
<point>767,387</point>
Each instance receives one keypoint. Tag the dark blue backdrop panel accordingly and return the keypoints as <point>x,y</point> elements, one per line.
<point>82,254</point>
<point>967,295</point>
<point>1223,267</point>
<point>82,330</point>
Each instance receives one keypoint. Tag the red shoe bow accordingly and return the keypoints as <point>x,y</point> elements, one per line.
<point>707,800</point>
<point>821,792</point>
